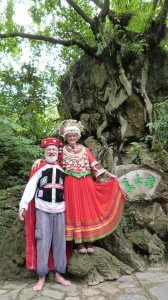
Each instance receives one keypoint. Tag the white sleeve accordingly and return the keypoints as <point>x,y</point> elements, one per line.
<point>29,191</point>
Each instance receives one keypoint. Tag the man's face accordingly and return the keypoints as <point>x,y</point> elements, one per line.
<point>51,154</point>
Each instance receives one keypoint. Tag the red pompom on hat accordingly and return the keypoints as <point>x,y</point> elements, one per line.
<point>51,141</point>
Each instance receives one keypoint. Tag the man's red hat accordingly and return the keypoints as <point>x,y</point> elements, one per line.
<point>51,141</point>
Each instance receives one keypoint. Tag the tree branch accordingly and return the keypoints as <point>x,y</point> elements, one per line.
<point>104,10</point>
<point>91,51</point>
<point>163,13</point>
<point>121,19</point>
<point>81,13</point>
<point>123,79</point>
<point>157,30</point>
<point>155,2</point>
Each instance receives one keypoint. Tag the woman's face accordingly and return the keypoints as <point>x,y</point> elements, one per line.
<point>72,138</point>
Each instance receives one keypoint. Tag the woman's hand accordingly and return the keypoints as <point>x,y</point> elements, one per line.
<point>36,163</point>
<point>109,175</point>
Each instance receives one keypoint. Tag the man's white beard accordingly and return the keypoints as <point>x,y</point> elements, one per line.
<point>51,158</point>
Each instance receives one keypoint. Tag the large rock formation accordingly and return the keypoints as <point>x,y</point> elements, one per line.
<point>116,108</point>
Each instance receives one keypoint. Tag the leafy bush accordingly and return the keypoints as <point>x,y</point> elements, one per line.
<point>17,153</point>
<point>160,125</point>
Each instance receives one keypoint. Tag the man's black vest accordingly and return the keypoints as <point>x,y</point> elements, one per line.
<point>50,185</point>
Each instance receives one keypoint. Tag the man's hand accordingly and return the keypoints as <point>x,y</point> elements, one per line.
<point>22,213</point>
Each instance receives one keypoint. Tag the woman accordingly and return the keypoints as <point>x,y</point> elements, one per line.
<point>93,209</point>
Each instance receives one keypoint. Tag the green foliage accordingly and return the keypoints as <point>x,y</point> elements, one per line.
<point>17,154</point>
<point>142,12</point>
<point>30,99</point>
<point>164,44</point>
<point>141,21</point>
<point>127,223</point>
<point>160,125</point>
<point>9,14</point>
<point>56,18</point>
<point>28,113</point>
<point>136,151</point>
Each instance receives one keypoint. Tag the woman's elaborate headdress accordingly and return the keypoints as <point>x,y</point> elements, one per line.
<point>68,126</point>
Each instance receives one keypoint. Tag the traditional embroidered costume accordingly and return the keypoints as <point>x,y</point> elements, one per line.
<point>93,209</point>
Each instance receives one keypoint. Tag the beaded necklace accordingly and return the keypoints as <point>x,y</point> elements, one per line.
<point>79,150</point>
<point>74,149</point>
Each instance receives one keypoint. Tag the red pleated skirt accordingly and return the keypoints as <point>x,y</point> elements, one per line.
<point>93,209</point>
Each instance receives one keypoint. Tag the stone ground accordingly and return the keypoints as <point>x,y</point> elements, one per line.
<point>149,285</point>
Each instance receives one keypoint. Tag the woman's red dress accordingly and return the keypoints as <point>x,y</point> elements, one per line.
<point>93,209</point>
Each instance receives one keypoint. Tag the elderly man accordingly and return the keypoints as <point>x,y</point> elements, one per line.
<point>46,186</point>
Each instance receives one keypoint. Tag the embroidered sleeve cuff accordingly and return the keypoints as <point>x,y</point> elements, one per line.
<point>100,172</point>
<point>95,162</point>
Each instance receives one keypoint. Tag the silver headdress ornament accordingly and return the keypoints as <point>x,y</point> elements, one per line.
<point>68,126</point>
